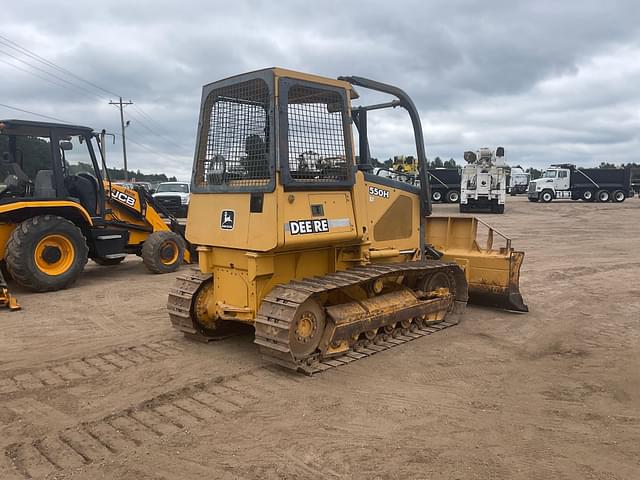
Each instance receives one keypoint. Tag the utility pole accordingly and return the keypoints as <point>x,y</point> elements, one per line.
<point>121,105</point>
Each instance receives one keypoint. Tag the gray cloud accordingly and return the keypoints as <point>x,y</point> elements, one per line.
<point>551,81</point>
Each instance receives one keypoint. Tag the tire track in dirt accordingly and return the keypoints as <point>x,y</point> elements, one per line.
<point>197,406</point>
<point>81,369</point>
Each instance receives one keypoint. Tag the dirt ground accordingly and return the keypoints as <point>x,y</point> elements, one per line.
<point>94,383</point>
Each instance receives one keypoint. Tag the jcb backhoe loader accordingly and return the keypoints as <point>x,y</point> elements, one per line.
<point>328,261</point>
<point>52,221</point>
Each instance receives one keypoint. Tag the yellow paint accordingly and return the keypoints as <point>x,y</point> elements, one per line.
<point>48,204</point>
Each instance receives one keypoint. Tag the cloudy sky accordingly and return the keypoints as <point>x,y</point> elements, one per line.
<point>550,81</point>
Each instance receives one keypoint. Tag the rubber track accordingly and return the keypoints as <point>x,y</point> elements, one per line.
<point>278,309</point>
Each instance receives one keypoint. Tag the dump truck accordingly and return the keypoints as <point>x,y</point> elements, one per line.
<point>565,181</point>
<point>52,220</point>
<point>484,181</point>
<point>326,260</point>
<point>445,184</point>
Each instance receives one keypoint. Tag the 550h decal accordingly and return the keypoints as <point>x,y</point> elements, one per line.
<point>378,192</point>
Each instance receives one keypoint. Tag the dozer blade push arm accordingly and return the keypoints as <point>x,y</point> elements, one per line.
<point>493,274</point>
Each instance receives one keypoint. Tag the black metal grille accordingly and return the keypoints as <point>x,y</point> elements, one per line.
<point>234,148</point>
<point>316,136</point>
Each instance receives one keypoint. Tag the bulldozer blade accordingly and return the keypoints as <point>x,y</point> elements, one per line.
<point>507,298</point>
<point>493,273</point>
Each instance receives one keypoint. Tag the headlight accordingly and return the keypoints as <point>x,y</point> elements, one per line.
<point>184,200</point>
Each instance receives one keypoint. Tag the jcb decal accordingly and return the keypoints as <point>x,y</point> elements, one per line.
<point>123,198</point>
<point>378,192</point>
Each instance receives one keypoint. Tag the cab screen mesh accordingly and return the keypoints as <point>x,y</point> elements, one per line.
<point>316,136</point>
<point>234,148</point>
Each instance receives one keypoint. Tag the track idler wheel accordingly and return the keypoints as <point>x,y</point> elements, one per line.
<point>306,329</point>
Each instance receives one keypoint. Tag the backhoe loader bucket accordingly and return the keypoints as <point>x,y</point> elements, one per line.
<point>6,299</point>
<point>493,274</point>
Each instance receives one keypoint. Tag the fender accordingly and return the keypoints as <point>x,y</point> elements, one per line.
<point>10,212</point>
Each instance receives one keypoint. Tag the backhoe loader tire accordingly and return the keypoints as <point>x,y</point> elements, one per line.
<point>46,253</point>
<point>163,252</point>
<point>108,262</point>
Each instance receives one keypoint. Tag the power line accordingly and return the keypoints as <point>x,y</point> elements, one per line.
<point>33,113</point>
<point>16,46</point>
<point>159,135</point>
<point>41,77</point>
<point>52,75</point>
<point>148,149</point>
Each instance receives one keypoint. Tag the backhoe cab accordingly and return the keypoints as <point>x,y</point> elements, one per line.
<point>327,260</point>
<point>55,215</point>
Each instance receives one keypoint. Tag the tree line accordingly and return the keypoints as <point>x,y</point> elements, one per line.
<point>35,155</point>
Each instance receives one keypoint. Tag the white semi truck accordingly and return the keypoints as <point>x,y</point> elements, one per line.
<point>483,185</point>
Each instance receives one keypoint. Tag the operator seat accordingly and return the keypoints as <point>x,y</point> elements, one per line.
<point>84,187</point>
<point>43,186</point>
<point>13,168</point>
<point>256,163</point>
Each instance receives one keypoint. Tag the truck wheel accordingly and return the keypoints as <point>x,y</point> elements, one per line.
<point>619,196</point>
<point>603,196</point>
<point>436,196</point>
<point>163,252</point>
<point>107,262</point>
<point>587,195</point>
<point>46,253</point>
<point>546,196</point>
<point>532,199</point>
<point>498,208</point>
<point>453,196</point>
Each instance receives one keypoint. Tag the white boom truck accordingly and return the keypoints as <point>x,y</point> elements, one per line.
<point>483,185</point>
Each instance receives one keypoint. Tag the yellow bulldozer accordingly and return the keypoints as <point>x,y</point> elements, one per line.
<point>53,220</point>
<point>326,260</point>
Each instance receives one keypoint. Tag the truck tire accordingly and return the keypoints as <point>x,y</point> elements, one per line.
<point>587,195</point>
<point>603,196</point>
<point>163,252</point>
<point>498,208</point>
<point>619,196</point>
<point>546,196</point>
<point>464,208</point>
<point>436,196</point>
<point>453,196</point>
<point>532,199</point>
<point>46,253</point>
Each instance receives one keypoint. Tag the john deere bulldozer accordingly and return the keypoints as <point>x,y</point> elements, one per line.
<point>328,261</point>
<point>53,220</point>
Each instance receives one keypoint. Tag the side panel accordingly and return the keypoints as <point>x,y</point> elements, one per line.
<point>315,219</point>
<point>242,229</point>
<point>393,214</point>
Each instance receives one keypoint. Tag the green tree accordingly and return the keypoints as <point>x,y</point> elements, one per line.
<point>32,153</point>
<point>534,173</point>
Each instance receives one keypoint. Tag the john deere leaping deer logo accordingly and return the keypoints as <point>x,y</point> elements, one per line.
<point>227,219</point>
